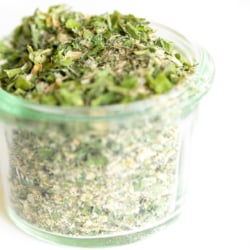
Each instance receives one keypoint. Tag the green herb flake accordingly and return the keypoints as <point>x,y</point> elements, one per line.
<point>23,84</point>
<point>12,72</point>
<point>160,84</point>
<point>4,48</point>
<point>72,24</point>
<point>129,81</point>
<point>104,99</point>
<point>69,98</point>
<point>39,56</point>
<point>166,45</point>
<point>132,31</point>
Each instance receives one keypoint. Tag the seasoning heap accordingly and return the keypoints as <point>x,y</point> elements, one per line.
<point>62,57</point>
<point>92,178</point>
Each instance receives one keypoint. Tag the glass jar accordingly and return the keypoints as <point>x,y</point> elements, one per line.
<point>101,176</point>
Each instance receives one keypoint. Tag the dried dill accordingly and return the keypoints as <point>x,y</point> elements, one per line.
<point>63,57</point>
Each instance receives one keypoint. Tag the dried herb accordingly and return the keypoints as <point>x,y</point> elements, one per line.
<point>63,57</point>
<point>83,181</point>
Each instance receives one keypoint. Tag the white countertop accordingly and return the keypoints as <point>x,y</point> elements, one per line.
<point>217,211</point>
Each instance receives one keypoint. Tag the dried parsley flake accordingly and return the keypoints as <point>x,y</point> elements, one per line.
<point>63,57</point>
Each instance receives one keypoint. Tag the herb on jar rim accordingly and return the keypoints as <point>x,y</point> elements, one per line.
<point>63,57</point>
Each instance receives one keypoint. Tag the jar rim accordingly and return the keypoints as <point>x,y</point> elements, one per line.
<point>179,101</point>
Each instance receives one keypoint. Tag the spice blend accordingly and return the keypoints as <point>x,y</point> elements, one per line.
<point>62,57</point>
<point>95,181</point>
<point>92,178</point>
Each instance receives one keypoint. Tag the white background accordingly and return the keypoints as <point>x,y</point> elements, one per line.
<point>216,214</point>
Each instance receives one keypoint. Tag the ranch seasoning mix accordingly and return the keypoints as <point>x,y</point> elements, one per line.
<point>65,58</point>
<point>88,154</point>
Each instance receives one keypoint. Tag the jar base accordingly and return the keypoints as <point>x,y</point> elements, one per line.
<point>91,241</point>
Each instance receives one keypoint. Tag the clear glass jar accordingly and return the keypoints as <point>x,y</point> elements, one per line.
<point>101,176</point>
